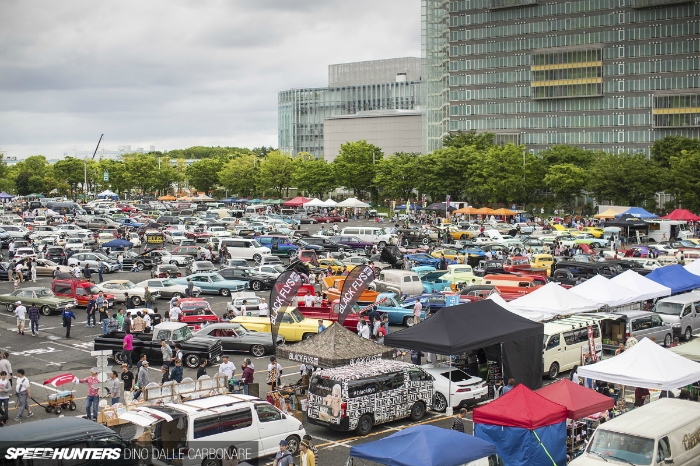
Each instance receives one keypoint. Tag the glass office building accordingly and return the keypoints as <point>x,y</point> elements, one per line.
<point>392,84</point>
<point>614,75</point>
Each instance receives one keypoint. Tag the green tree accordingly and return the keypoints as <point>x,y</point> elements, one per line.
<point>447,171</point>
<point>398,174</point>
<point>670,146</point>
<point>563,155</point>
<point>481,141</point>
<point>566,181</point>
<point>685,178</point>
<point>314,176</point>
<point>203,174</point>
<point>275,173</point>
<point>505,174</point>
<point>239,176</point>
<point>22,183</point>
<point>624,179</point>
<point>70,170</point>
<point>36,184</point>
<point>355,166</point>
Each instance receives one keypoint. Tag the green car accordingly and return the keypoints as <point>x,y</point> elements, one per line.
<point>45,300</point>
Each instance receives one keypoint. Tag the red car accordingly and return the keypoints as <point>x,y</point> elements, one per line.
<point>329,218</point>
<point>196,311</point>
<point>198,234</point>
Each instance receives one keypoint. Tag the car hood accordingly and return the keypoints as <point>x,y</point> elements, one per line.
<point>261,338</point>
<point>434,276</point>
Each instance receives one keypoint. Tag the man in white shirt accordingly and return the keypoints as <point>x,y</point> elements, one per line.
<point>207,254</point>
<point>309,299</point>
<point>244,308</point>
<point>174,314</point>
<point>76,270</point>
<point>227,368</point>
<point>262,307</point>
<point>21,313</point>
<point>364,330</point>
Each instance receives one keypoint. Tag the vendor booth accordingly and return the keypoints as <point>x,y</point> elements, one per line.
<point>423,445</point>
<point>296,202</point>
<point>511,342</point>
<point>682,214</point>
<point>527,428</point>
<point>534,316</point>
<point>606,293</point>
<point>675,277</point>
<point>647,289</point>
<point>552,299</point>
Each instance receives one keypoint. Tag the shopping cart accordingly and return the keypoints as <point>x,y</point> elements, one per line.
<point>61,399</point>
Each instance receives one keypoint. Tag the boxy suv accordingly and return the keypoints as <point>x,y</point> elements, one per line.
<point>81,290</point>
<point>682,312</point>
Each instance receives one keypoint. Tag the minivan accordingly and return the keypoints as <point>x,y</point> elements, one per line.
<point>617,327</point>
<point>245,248</point>
<point>566,341</point>
<point>682,312</point>
<point>663,432</point>
<point>375,235</point>
<point>360,396</point>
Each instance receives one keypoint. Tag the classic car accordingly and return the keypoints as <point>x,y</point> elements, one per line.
<point>171,258</point>
<point>433,302</point>
<point>194,348</point>
<point>235,337</point>
<point>461,273</point>
<point>46,268</point>
<point>167,288</point>
<point>198,234</point>
<point>585,238</point>
<point>256,281</point>
<point>398,311</point>
<point>433,280</point>
<point>293,327</point>
<point>130,258</point>
<point>43,298</point>
<point>213,282</point>
<point>426,259</point>
<point>165,271</point>
<point>174,236</point>
<point>351,242</point>
<point>335,265</point>
<point>187,251</point>
<point>412,237</point>
<point>119,287</point>
<point>329,218</point>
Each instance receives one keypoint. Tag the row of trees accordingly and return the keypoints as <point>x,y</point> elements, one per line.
<point>470,167</point>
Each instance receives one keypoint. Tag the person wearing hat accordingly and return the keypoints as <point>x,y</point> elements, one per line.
<point>93,395</point>
<point>307,438</point>
<point>283,457</point>
<point>21,313</point>
<point>274,372</point>
<point>306,456</point>
<point>166,374</point>
<point>142,378</point>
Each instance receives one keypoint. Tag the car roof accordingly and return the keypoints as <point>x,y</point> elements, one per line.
<point>363,370</point>
<point>668,414</point>
<point>61,429</point>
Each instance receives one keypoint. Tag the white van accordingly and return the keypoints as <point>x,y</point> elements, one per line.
<point>256,209</point>
<point>375,235</point>
<point>682,312</point>
<point>208,427</point>
<point>663,432</point>
<point>244,248</point>
<point>566,341</point>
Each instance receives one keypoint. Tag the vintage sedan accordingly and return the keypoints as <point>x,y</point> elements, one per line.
<point>46,268</point>
<point>426,259</point>
<point>329,218</point>
<point>43,298</point>
<point>166,271</point>
<point>255,280</point>
<point>198,234</point>
<point>119,287</point>
<point>235,337</point>
<point>214,283</point>
<point>585,238</point>
<point>335,265</point>
<point>167,288</point>
<point>131,258</point>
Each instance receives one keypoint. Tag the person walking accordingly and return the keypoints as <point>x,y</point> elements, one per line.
<point>32,270</point>
<point>248,375</point>
<point>202,369</point>
<point>6,366</point>
<point>120,318</point>
<point>115,386</point>
<point>307,438</point>
<point>417,310</point>
<point>306,456</point>
<point>100,270</point>
<point>165,376</point>
<point>283,457</point>
<point>33,314</point>
<point>458,423</point>
<point>104,318</point>
<point>120,261</point>
<point>190,289</point>
<point>87,273</point>
<point>274,373</point>
<point>21,313</point>
<point>142,379</point>
<point>127,378</point>
<point>127,348</point>
<point>90,310</point>
<point>128,301</point>
<point>23,393</point>
<point>228,368</point>
<point>176,374</point>
<point>5,387</point>
<point>167,353</point>
<point>148,298</point>
<point>93,395</point>
<point>506,388</point>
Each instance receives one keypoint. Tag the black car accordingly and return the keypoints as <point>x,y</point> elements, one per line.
<point>131,258</point>
<point>4,271</point>
<point>326,243</point>
<point>256,282</point>
<point>56,254</point>
<point>194,349</point>
<point>164,270</point>
<point>303,244</point>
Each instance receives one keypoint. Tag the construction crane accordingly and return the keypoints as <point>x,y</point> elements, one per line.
<point>85,165</point>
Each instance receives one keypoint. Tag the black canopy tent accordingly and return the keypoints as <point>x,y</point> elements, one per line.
<point>627,221</point>
<point>506,337</point>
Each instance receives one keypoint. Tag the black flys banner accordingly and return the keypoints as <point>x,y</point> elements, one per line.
<point>356,282</point>
<point>281,296</point>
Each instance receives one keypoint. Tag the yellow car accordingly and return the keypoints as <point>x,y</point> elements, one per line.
<point>461,234</point>
<point>451,254</point>
<point>595,231</point>
<point>293,327</point>
<point>542,261</point>
<point>335,265</point>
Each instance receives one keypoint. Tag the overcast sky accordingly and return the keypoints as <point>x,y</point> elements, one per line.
<point>176,73</point>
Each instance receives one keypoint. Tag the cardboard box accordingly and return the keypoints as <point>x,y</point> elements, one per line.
<point>618,337</point>
<point>299,415</point>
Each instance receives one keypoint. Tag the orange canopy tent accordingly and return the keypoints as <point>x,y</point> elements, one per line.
<point>465,210</point>
<point>482,211</point>
<point>166,198</point>
<point>503,211</point>
<point>610,213</point>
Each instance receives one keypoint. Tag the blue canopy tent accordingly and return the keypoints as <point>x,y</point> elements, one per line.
<point>4,196</point>
<point>638,212</point>
<point>675,277</point>
<point>118,244</point>
<point>424,445</point>
<point>413,207</point>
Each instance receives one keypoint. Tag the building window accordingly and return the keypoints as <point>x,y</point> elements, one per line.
<point>620,120</point>
<point>621,52</point>
<point>621,36</point>
<point>676,111</point>
<point>621,68</point>
<point>621,85</point>
<point>494,4</point>
<point>620,136</point>
<point>620,102</point>
<point>566,74</point>
<point>468,110</point>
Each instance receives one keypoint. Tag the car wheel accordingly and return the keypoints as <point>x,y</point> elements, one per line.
<point>177,295</point>
<point>364,425</point>
<point>688,334</point>
<point>667,340</point>
<point>211,462</point>
<point>417,411</point>
<point>257,350</point>
<point>10,307</point>
<point>425,240</point>
<point>136,300</point>
<point>439,402</point>
<point>256,286</point>
<point>306,336</point>
<point>292,444</point>
<point>382,244</point>
<point>174,263</point>
<point>140,266</point>
<point>224,292</point>
<point>595,245</point>
<point>257,258</point>
<point>192,361</point>
<point>119,357</point>
<point>46,310</point>
<point>553,371</point>
<point>408,321</point>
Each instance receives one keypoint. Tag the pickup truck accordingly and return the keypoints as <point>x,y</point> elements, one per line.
<point>521,264</point>
<point>194,349</point>
<point>97,223</point>
<point>329,311</point>
<point>293,327</point>
<point>129,222</point>
<point>585,238</point>
<point>80,290</point>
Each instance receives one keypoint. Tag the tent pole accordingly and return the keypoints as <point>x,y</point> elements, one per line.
<point>448,410</point>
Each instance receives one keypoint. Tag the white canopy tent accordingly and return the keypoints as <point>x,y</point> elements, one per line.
<point>645,365</point>
<point>601,290</point>
<point>352,202</point>
<point>536,316</point>
<point>107,193</point>
<point>690,350</point>
<point>554,300</point>
<point>693,267</point>
<point>647,289</point>
<point>315,203</point>
<point>329,202</point>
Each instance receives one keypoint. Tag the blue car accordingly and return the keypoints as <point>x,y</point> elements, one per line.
<point>399,312</point>
<point>433,302</point>
<point>213,283</point>
<point>426,259</point>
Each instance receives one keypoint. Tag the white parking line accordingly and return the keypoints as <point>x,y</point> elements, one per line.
<point>44,386</point>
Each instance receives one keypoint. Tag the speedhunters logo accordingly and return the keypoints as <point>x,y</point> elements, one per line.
<point>63,454</point>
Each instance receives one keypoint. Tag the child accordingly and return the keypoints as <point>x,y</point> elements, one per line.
<point>16,283</point>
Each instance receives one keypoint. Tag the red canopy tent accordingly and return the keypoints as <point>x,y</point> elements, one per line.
<point>579,401</point>
<point>682,214</point>
<point>296,202</point>
<point>521,407</point>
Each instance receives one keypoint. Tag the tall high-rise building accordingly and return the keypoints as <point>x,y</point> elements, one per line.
<point>615,75</point>
<point>392,84</point>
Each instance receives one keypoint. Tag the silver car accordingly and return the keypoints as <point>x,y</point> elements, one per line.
<point>91,259</point>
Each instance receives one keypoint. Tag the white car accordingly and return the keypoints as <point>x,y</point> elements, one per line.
<point>40,220</point>
<point>174,236</point>
<point>23,253</point>
<point>75,243</point>
<point>465,388</point>
<point>220,232</point>
<point>167,288</point>
<point>119,287</point>
<point>103,238</point>
<point>72,228</point>
<point>271,270</point>
<point>135,239</point>
<point>252,303</point>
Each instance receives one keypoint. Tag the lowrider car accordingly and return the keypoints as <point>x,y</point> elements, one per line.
<point>235,337</point>
<point>45,300</point>
<point>167,288</point>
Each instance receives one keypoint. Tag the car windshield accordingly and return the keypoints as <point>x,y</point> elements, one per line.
<point>216,277</point>
<point>298,316</point>
<point>544,340</point>
<point>102,257</point>
<point>622,447</point>
<point>670,309</point>
<point>183,333</point>
<point>256,244</point>
<point>128,285</point>
<point>240,330</point>
<point>92,289</point>
<point>278,268</point>
<point>168,282</point>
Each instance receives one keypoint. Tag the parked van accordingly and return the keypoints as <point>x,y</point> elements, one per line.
<point>378,236</point>
<point>401,282</point>
<point>542,261</point>
<point>256,209</point>
<point>682,312</point>
<point>617,327</point>
<point>360,396</point>
<point>279,245</point>
<point>245,248</point>
<point>566,341</point>
<point>515,283</point>
<point>663,432</point>
<point>64,432</point>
